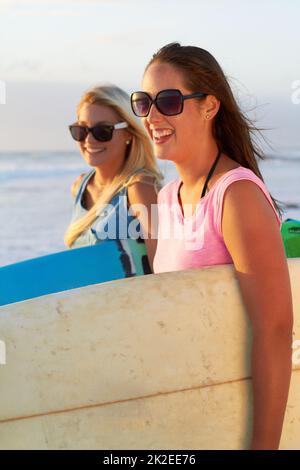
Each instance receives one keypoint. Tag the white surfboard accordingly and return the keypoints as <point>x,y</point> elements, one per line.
<point>153,362</point>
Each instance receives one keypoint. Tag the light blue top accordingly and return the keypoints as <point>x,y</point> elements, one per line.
<point>111,223</point>
<point>114,224</point>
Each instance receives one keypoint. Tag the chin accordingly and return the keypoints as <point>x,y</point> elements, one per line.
<point>96,161</point>
<point>165,156</point>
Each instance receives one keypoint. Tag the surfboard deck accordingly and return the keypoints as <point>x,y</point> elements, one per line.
<point>159,361</point>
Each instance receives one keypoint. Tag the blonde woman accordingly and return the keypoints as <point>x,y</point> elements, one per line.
<point>113,201</point>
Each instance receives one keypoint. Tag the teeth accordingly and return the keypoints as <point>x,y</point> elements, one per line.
<point>94,150</point>
<point>158,133</point>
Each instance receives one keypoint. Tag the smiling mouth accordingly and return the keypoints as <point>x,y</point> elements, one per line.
<point>94,150</point>
<point>160,136</point>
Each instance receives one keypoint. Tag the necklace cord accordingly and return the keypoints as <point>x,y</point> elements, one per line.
<point>210,173</point>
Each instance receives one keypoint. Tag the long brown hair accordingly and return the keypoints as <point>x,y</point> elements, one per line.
<point>235,134</point>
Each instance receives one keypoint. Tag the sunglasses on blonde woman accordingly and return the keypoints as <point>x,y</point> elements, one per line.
<point>101,132</point>
<point>168,102</point>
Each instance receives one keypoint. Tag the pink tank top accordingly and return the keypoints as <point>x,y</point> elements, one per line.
<point>187,242</point>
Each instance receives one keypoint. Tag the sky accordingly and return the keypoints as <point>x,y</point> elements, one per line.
<point>51,51</point>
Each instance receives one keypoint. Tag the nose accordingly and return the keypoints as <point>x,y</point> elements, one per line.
<point>90,137</point>
<point>154,115</point>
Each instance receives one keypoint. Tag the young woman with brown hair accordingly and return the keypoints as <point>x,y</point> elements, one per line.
<point>220,211</point>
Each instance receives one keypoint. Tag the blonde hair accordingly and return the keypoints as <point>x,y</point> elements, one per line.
<point>140,159</point>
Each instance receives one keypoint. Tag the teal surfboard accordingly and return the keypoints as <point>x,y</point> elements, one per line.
<point>106,261</point>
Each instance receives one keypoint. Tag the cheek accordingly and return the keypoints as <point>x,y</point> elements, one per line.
<point>146,125</point>
<point>117,146</point>
<point>191,125</point>
<point>183,128</point>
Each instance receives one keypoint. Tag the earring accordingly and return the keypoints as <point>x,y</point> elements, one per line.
<point>128,142</point>
<point>207,116</point>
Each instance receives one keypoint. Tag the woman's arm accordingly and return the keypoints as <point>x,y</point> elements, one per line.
<point>253,239</point>
<point>142,200</point>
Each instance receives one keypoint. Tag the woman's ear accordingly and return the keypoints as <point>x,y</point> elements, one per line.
<point>212,106</point>
<point>128,138</point>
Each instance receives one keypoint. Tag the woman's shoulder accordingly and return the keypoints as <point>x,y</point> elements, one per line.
<point>241,171</point>
<point>248,192</point>
<point>237,183</point>
<point>239,174</point>
<point>143,180</point>
<point>75,185</point>
<point>143,190</point>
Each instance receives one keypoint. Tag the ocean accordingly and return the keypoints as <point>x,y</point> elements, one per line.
<point>36,203</point>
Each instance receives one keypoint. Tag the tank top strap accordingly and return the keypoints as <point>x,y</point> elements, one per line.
<point>82,186</point>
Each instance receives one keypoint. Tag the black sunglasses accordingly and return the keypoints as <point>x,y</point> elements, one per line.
<point>101,132</point>
<point>168,102</point>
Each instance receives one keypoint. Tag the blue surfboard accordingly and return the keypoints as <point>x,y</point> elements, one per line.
<point>106,261</point>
